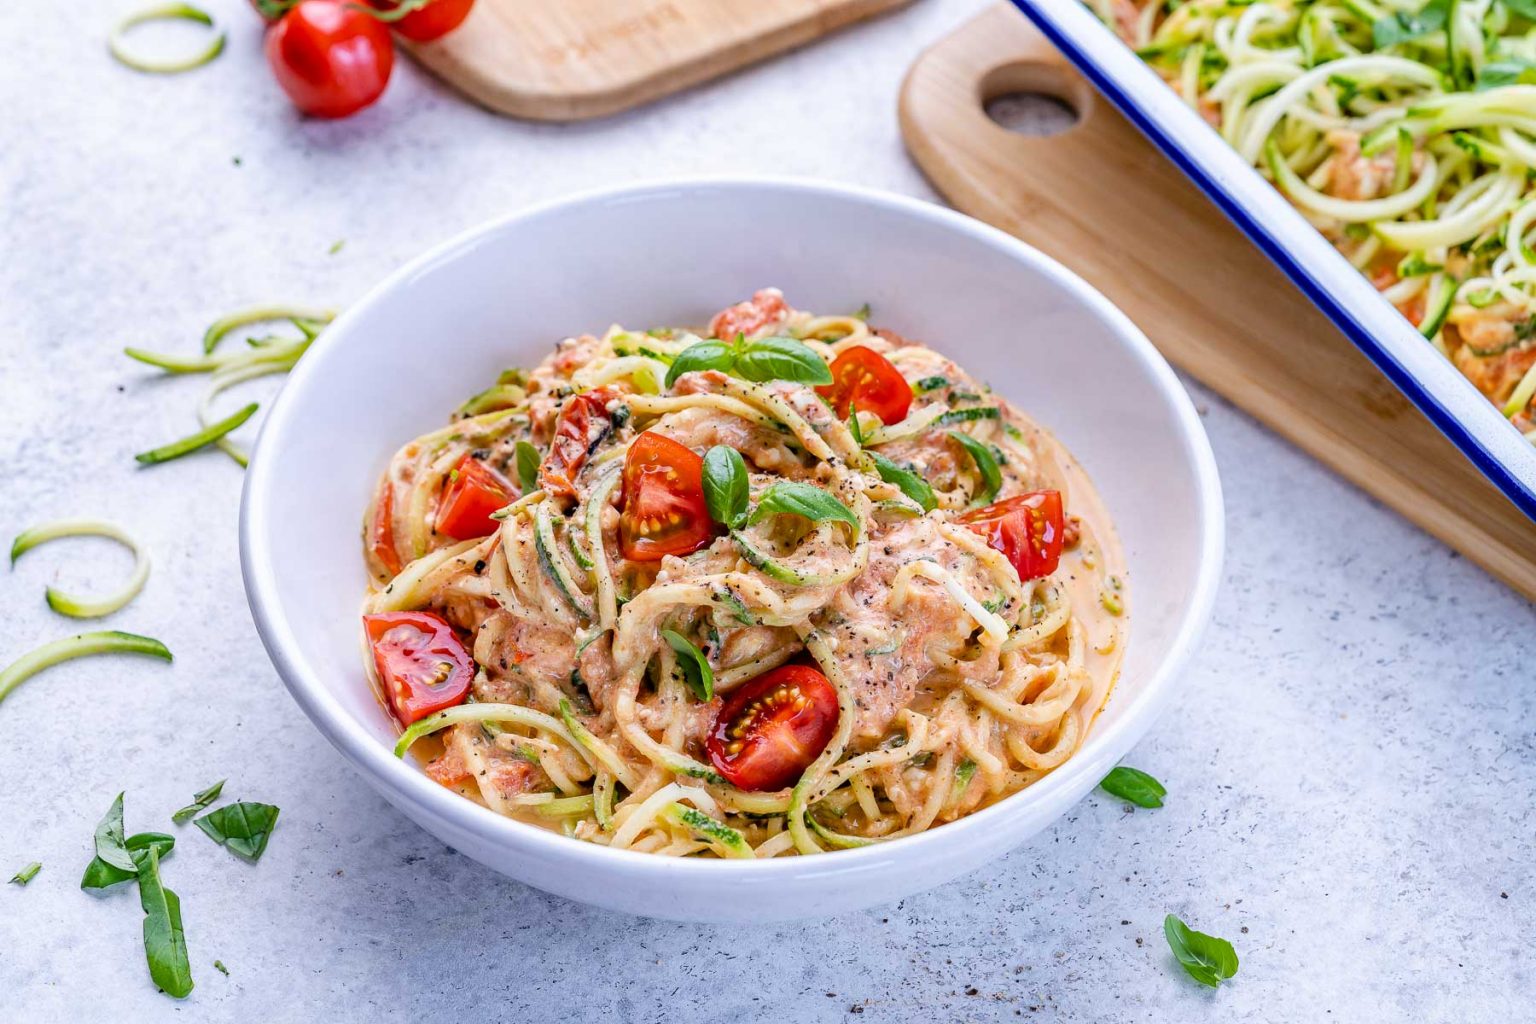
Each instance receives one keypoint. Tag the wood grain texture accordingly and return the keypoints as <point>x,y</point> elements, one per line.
<point>577,59</point>
<point>1102,200</point>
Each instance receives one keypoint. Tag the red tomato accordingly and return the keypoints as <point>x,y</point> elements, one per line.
<point>583,423</point>
<point>863,378</point>
<point>472,494</point>
<point>763,308</point>
<point>382,536</point>
<point>331,58</point>
<point>771,728</point>
<point>435,20</point>
<point>422,664</point>
<point>664,509</point>
<point>1028,529</point>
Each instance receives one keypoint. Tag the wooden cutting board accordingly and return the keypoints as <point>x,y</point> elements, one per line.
<point>564,60</point>
<point>1102,200</point>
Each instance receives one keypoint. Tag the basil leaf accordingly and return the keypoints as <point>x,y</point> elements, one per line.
<point>199,802</point>
<point>99,874</point>
<point>27,873</point>
<point>1134,785</point>
<point>790,497</point>
<point>702,355</point>
<point>1510,71</point>
<point>165,942</point>
<point>912,485</point>
<point>696,671</point>
<point>1404,25</point>
<point>243,828</point>
<point>1525,8</point>
<point>110,845</point>
<point>930,384</point>
<point>527,458</point>
<point>986,465</point>
<point>1207,959</point>
<point>725,485</point>
<point>781,359</point>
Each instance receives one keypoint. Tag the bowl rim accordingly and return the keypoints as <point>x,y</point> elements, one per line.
<point>377,761</point>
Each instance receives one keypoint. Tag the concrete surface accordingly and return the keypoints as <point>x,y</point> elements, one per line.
<point>1351,766</point>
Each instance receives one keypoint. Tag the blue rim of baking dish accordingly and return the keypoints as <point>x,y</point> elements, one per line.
<point>1517,483</point>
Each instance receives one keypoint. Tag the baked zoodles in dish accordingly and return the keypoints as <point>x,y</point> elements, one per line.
<point>781,584</point>
<point>1406,132</point>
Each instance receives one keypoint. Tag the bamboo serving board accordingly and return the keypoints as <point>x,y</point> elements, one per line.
<point>574,59</point>
<point>1099,198</point>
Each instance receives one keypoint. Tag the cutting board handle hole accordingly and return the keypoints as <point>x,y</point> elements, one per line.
<point>1032,98</point>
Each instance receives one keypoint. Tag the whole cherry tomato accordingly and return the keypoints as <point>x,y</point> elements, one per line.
<point>330,57</point>
<point>432,21</point>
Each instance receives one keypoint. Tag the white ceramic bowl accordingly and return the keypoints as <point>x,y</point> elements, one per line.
<point>398,361</point>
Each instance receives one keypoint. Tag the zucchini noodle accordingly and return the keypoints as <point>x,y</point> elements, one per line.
<point>84,607</point>
<point>80,646</point>
<point>956,682</point>
<point>118,44</point>
<point>1403,130</point>
<point>266,357</point>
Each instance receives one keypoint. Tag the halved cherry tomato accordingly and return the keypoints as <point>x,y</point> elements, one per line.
<point>422,664</point>
<point>763,308</point>
<point>664,509</point>
<point>435,20</point>
<point>582,425</point>
<point>472,494</point>
<point>770,729</point>
<point>330,57</point>
<point>863,378</point>
<point>1028,529</point>
<point>382,537</point>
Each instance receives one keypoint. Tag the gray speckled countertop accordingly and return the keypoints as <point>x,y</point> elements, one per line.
<point>1351,763</point>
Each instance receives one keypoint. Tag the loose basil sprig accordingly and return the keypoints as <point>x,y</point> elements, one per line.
<point>199,803</point>
<point>1134,785</point>
<point>912,485</point>
<point>527,457</point>
<point>725,486</point>
<point>696,671</point>
<point>986,465</point>
<point>242,828</point>
<point>1207,959</point>
<point>761,359</point>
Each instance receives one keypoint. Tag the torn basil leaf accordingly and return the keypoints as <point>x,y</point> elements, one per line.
<point>912,485</point>
<point>199,803</point>
<point>242,828</point>
<point>696,671</point>
<point>99,874</point>
<point>111,846</point>
<point>165,942</point>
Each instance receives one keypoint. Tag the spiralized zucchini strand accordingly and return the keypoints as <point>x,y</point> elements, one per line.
<point>79,646</point>
<point>118,46</point>
<point>84,607</point>
<point>192,442</point>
